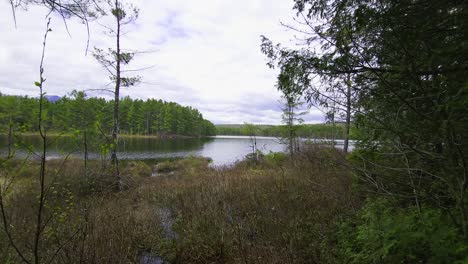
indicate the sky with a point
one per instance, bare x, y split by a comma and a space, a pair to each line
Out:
202, 55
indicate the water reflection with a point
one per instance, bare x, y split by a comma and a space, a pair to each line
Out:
228, 149
223, 150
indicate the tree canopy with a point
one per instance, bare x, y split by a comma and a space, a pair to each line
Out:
407, 63
149, 117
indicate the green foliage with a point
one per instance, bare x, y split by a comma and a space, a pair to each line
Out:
136, 169
194, 162
250, 129
291, 117
189, 164
405, 65
276, 158
305, 130
166, 166
384, 233
92, 115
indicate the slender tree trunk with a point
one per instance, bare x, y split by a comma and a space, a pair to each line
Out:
348, 114
3, 189
333, 131
10, 138
115, 129
37, 235
291, 127
85, 151
42, 172
147, 124
255, 149
39, 225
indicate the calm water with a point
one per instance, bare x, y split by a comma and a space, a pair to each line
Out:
224, 150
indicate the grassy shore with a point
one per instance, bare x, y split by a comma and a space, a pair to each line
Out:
183, 211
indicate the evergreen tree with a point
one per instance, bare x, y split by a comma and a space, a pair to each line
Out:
406, 64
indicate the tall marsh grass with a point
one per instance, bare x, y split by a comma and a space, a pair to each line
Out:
279, 211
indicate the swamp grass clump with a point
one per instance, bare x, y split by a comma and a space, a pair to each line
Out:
255, 214
87, 220
277, 211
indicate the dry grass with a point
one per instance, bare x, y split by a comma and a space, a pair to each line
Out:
276, 212
266, 214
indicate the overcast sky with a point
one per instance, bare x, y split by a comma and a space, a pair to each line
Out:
205, 54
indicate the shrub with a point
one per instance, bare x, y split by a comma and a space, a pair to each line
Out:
384, 233
276, 158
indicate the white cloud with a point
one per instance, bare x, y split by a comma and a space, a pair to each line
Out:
206, 54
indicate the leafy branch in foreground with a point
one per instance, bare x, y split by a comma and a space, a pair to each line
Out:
82, 9
40, 224
36, 235
85, 10
42, 173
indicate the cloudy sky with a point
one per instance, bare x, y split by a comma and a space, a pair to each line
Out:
205, 54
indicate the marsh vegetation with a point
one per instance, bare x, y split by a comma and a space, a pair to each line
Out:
389, 74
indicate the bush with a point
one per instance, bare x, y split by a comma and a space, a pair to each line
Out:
137, 169
193, 163
384, 233
276, 158
187, 164
166, 166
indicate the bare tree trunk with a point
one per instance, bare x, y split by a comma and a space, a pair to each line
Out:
10, 137
333, 130
85, 143
147, 124
255, 149
115, 129
291, 127
348, 113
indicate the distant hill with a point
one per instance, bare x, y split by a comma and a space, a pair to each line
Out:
52, 98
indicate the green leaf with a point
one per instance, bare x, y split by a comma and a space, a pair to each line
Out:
38, 84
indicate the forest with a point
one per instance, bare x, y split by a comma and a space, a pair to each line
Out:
389, 75
79, 112
321, 131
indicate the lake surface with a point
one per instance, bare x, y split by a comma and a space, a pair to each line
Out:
223, 150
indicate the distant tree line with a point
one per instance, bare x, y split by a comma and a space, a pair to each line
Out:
79, 112
329, 131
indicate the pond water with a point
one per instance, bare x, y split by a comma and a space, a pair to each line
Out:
223, 150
